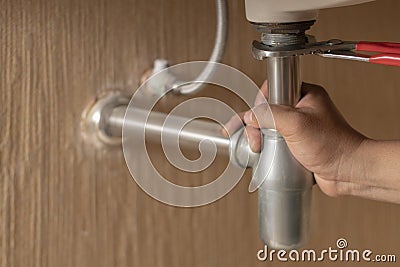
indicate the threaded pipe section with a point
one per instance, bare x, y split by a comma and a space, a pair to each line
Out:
283, 39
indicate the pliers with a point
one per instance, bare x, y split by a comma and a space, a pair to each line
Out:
385, 53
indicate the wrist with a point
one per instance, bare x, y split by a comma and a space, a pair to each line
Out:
353, 162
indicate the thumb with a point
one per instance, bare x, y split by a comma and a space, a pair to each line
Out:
282, 118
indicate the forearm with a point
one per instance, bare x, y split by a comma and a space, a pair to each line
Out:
375, 167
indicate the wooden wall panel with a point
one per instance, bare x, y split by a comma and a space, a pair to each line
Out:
65, 203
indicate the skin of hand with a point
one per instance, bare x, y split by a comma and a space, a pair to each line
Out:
324, 143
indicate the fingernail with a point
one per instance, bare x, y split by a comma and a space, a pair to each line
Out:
252, 145
248, 116
253, 118
224, 132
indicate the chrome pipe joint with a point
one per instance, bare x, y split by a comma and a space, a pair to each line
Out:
284, 198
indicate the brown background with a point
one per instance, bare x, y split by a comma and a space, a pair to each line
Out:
64, 203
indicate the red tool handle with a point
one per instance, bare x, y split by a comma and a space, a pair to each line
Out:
386, 59
379, 47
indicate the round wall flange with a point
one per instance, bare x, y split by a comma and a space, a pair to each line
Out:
95, 117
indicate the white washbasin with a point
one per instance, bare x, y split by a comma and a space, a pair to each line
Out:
279, 11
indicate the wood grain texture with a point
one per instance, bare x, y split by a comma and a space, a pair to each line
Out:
65, 203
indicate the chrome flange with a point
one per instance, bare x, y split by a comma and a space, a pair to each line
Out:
95, 118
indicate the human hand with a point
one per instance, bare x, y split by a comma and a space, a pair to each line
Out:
315, 132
